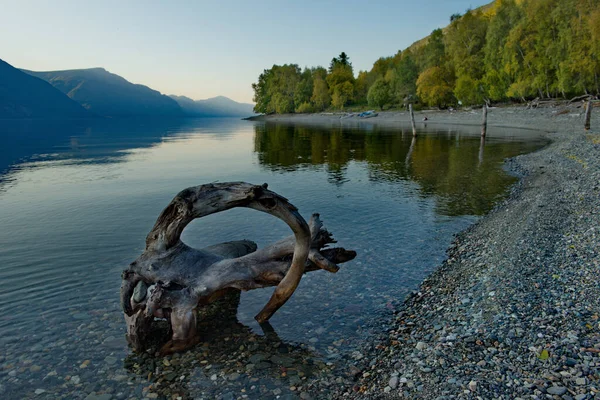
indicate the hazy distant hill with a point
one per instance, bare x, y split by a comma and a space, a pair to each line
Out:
110, 95
25, 96
219, 106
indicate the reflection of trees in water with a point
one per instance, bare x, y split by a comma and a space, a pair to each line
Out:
446, 164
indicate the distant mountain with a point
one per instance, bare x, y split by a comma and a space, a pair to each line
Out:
110, 95
25, 96
219, 106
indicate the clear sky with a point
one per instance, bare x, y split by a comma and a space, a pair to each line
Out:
202, 49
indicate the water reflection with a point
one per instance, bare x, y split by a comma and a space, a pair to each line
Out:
455, 171
84, 195
32, 143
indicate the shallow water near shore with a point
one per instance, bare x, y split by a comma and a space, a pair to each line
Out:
75, 208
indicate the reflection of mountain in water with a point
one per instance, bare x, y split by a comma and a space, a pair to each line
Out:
446, 163
94, 140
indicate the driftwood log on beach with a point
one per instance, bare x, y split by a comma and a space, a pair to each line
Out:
170, 279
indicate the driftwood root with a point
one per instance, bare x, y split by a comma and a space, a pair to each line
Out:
170, 280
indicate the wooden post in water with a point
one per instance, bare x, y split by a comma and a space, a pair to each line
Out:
412, 119
484, 121
588, 114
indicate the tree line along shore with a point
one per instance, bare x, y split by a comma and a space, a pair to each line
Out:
508, 50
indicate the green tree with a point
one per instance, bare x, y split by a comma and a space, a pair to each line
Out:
342, 95
361, 88
320, 95
341, 60
403, 82
339, 75
469, 91
283, 103
276, 89
579, 69
434, 87
341, 81
304, 88
262, 96
434, 52
464, 43
497, 78
379, 94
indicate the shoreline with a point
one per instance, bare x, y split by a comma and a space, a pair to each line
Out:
513, 310
502, 117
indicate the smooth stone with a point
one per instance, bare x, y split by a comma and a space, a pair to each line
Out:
114, 342
39, 391
110, 360
473, 386
263, 365
171, 376
256, 358
36, 347
120, 378
282, 360
75, 379
580, 381
421, 345
557, 390
571, 362
393, 383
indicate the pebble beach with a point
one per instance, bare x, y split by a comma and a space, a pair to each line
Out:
513, 312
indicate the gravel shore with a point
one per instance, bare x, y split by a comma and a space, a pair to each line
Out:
513, 313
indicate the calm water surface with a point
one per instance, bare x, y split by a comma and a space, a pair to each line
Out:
77, 200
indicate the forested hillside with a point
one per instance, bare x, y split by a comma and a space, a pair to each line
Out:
505, 51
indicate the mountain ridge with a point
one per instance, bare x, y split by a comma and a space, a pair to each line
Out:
218, 106
96, 91
26, 96
108, 94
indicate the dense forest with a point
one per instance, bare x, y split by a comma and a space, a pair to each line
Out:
509, 50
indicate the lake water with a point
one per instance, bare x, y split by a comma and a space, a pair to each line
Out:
77, 200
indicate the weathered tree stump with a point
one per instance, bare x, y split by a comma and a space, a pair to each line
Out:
588, 115
170, 279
